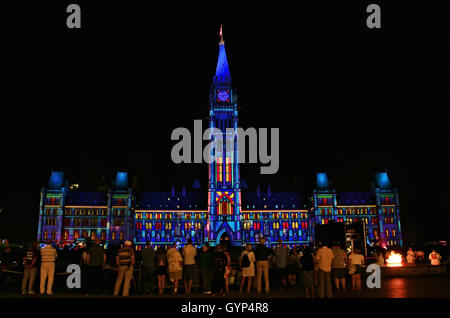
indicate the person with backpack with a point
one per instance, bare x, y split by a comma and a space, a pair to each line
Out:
219, 266
248, 267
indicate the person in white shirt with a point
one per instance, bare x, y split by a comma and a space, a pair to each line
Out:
410, 257
435, 258
248, 272
175, 262
189, 253
356, 260
325, 257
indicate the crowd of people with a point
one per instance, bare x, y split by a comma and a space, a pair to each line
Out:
258, 268
418, 257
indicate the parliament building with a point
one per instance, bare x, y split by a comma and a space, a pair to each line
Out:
220, 212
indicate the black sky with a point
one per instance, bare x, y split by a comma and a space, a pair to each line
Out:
348, 100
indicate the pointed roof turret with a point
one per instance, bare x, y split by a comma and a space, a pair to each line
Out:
222, 71
382, 180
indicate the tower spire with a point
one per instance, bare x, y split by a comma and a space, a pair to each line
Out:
222, 72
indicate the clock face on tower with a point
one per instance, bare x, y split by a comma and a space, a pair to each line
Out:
223, 96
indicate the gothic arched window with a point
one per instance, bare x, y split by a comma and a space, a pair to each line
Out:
225, 206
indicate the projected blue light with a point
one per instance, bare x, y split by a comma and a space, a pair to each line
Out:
322, 180
122, 179
222, 72
382, 180
56, 180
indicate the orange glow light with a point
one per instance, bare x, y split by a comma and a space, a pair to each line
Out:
394, 260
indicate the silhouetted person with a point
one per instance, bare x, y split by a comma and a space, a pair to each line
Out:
262, 253
30, 268
205, 263
148, 268
95, 260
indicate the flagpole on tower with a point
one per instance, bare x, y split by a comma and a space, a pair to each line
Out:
221, 35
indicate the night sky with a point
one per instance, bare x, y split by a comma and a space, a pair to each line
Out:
348, 100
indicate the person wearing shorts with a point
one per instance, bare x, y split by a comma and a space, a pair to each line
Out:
338, 266
189, 254
189, 272
161, 270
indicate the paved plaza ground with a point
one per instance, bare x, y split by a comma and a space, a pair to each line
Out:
437, 286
